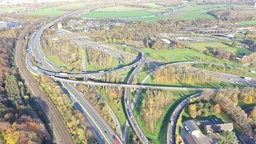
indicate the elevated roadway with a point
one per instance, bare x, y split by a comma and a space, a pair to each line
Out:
34, 48
128, 110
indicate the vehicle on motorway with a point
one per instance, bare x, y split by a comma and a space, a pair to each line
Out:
129, 112
126, 100
246, 78
63, 74
115, 140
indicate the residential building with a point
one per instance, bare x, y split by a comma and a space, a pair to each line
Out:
216, 128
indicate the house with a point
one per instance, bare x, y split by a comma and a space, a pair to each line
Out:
193, 135
216, 128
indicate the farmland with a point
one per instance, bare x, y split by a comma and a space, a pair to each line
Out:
56, 10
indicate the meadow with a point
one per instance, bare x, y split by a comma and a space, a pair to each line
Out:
131, 13
148, 14
56, 10
224, 45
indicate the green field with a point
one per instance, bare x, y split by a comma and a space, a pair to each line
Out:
224, 45
159, 136
248, 23
98, 68
192, 12
112, 14
197, 11
57, 10
126, 12
176, 55
119, 9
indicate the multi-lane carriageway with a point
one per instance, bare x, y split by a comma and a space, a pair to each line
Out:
107, 135
104, 133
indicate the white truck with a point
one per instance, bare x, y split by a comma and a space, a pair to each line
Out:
246, 78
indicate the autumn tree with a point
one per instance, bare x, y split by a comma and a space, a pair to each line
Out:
192, 110
157, 45
153, 105
12, 88
252, 115
217, 109
234, 111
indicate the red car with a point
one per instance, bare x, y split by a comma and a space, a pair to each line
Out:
116, 140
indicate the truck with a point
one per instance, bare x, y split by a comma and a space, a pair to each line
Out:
246, 78
62, 74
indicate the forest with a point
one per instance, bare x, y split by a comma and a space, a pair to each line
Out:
19, 123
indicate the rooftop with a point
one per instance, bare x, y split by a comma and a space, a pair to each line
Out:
219, 127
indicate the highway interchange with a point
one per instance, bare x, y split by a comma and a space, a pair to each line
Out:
104, 133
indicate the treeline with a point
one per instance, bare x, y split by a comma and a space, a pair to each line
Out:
114, 77
220, 54
228, 100
249, 59
153, 106
18, 121
98, 103
181, 74
74, 120
223, 69
63, 53
99, 60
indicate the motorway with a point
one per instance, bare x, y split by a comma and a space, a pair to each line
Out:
115, 120
99, 125
128, 110
97, 121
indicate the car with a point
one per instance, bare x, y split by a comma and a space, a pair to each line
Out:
186, 128
115, 140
